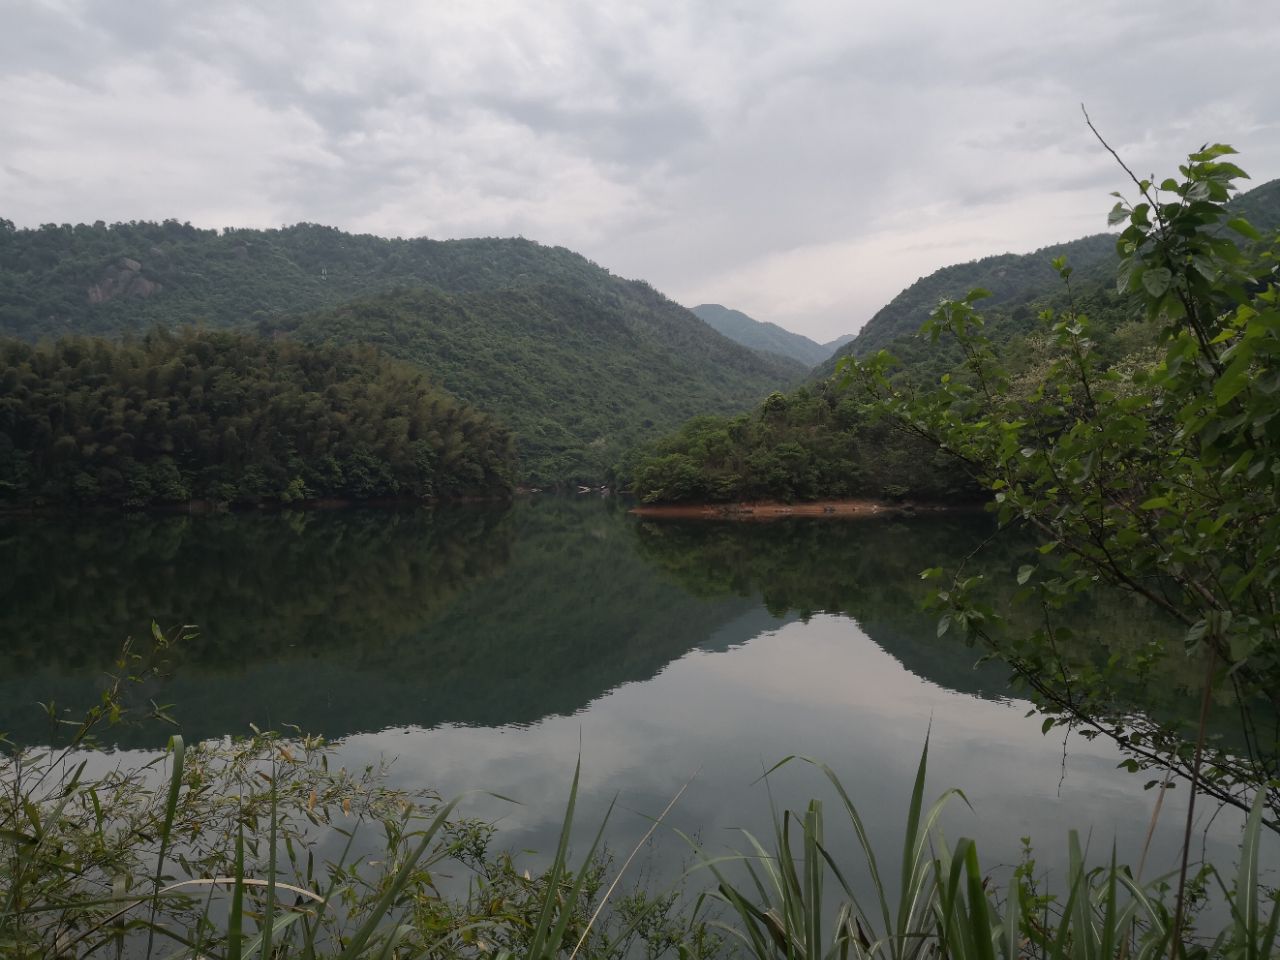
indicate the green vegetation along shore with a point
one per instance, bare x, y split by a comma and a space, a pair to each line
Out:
813, 444
231, 418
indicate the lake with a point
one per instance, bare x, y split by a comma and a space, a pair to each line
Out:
484, 648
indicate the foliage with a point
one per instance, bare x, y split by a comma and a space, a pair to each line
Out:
230, 418
257, 845
944, 904
580, 375
1160, 474
808, 445
578, 362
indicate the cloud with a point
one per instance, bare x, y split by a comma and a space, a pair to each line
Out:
799, 161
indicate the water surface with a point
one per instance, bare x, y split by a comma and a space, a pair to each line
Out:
486, 648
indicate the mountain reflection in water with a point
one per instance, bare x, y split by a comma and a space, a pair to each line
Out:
359, 620
484, 647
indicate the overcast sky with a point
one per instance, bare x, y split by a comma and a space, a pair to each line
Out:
800, 161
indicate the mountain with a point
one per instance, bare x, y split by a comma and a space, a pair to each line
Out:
579, 375
831, 346
579, 362
762, 336
1020, 285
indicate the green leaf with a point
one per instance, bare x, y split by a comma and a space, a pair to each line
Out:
1243, 227
1156, 503
1212, 153
1024, 573
1234, 379
1156, 280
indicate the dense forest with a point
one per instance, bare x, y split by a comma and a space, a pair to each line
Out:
121, 277
579, 376
581, 364
232, 418
809, 445
584, 368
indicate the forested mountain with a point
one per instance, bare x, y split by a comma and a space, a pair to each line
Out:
131, 276
814, 443
230, 418
1020, 286
579, 375
579, 362
761, 335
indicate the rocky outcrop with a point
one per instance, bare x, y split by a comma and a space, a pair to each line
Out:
122, 279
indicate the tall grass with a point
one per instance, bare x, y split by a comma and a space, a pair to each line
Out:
213, 854
945, 905
221, 857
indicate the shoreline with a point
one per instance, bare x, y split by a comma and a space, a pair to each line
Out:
776, 510
214, 507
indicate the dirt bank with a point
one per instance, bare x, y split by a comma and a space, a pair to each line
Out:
767, 510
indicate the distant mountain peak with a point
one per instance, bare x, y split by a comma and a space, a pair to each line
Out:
760, 335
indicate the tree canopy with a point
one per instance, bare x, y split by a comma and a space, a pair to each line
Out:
579, 363
1157, 471
809, 445
227, 417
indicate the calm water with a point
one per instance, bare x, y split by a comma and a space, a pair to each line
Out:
484, 648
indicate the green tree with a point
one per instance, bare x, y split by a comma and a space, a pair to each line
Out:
1157, 472
233, 417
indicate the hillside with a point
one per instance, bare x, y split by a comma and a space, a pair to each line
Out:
1020, 285
130, 276
761, 335
579, 362
580, 376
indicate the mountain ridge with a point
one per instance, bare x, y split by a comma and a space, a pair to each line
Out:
580, 362
760, 335
1019, 284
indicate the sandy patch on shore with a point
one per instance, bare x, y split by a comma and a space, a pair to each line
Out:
769, 510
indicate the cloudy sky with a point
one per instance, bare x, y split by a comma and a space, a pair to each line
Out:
802, 161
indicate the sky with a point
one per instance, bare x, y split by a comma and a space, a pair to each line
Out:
800, 161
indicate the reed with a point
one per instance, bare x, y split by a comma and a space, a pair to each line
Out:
946, 905
212, 852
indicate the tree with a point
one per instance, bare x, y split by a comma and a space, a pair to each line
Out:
1157, 472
